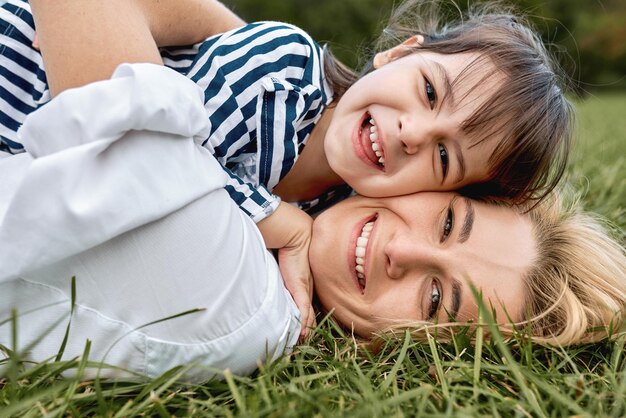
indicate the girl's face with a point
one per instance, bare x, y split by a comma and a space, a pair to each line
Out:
410, 258
392, 132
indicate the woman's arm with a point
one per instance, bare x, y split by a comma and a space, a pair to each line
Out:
85, 40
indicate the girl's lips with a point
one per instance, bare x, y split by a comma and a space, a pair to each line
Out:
362, 144
356, 233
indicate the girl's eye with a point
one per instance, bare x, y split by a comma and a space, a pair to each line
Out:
431, 95
447, 225
443, 156
435, 299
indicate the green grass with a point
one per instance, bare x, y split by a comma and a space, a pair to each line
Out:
333, 376
598, 163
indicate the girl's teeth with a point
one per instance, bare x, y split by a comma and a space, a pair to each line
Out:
381, 160
368, 226
376, 147
361, 241
360, 269
372, 122
360, 261
359, 252
360, 276
372, 128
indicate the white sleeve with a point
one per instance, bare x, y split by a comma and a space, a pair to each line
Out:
108, 157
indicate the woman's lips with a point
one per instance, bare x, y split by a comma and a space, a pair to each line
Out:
358, 251
365, 148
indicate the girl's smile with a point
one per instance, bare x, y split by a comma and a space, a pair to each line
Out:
368, 142
398, 130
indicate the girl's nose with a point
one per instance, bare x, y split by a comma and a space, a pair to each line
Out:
406, 254
414, 134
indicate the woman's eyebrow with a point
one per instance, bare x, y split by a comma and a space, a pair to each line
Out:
456, 298
442, 74
468, 222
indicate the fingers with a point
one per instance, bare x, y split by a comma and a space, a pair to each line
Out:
294, 267
35, 43
300, 287
289, 230
308, 317
308, 323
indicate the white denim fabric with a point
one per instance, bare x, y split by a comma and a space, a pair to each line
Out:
115, 192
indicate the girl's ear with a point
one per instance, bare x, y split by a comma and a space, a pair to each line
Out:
397, 51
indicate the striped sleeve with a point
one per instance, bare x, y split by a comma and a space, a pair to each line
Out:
23, 85
264, 90
255, 201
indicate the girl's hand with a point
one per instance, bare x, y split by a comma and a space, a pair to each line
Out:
288, 229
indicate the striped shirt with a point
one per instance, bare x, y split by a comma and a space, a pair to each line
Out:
264, 91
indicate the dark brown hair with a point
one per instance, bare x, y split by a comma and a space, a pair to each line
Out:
529, 109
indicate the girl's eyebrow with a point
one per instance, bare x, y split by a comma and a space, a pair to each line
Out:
461, 161
442, 74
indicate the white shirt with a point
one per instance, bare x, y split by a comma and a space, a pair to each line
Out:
116, 193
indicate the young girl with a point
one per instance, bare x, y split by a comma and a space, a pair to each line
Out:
472, 105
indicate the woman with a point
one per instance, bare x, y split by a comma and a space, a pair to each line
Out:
412, 267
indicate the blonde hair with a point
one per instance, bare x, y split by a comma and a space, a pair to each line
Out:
575, 290
529, 110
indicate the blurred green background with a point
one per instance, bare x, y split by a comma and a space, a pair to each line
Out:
588, 36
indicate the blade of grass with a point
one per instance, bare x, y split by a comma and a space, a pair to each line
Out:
398, 363
228, 375
438, 366
513, 367
478, 354
69, 322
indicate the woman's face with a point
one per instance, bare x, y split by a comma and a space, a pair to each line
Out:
378, 262
398, 112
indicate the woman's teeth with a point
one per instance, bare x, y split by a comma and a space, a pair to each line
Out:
361, 246
375, 147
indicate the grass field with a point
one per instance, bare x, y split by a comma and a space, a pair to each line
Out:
332, 376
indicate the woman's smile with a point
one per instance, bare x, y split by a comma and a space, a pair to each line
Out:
359, 250
414, 257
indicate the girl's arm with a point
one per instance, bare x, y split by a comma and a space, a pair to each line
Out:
85, 40
185, 22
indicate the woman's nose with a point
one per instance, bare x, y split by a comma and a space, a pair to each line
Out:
406, 254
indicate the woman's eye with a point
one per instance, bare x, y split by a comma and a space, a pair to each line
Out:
447, 225
443, 157
431, 95
435, 299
